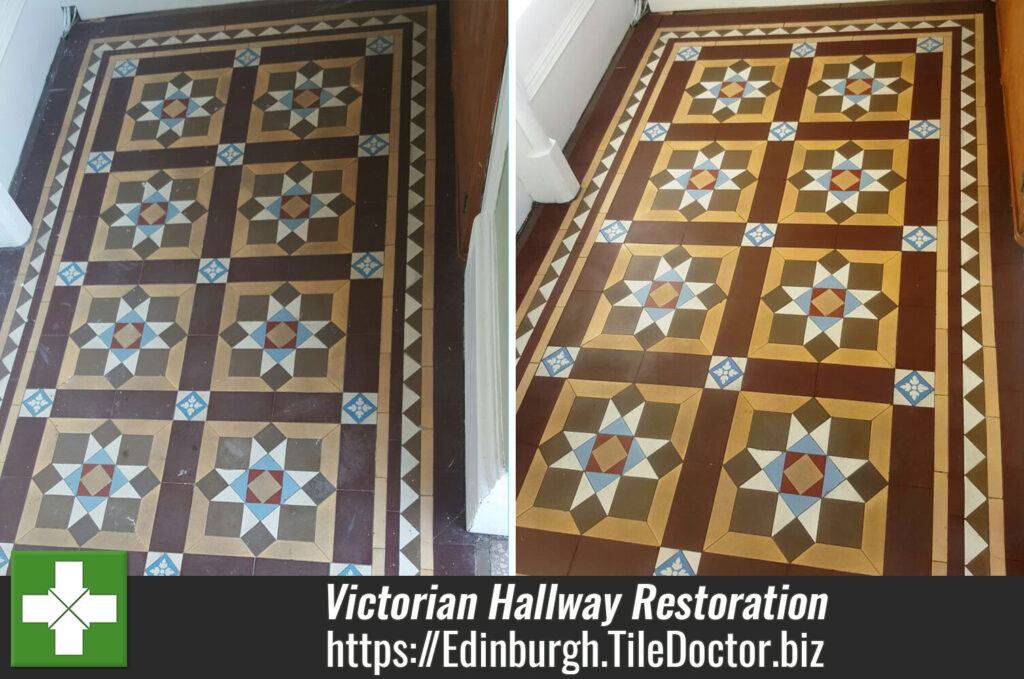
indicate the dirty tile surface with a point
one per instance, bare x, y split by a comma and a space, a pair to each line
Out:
219, 350
762, 340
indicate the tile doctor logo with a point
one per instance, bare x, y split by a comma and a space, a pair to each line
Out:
69, 609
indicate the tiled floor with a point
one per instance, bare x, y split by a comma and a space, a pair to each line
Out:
220, 357
763, 338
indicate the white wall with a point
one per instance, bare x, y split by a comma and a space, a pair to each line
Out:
563, 48
683, 5
92, 9
23, 69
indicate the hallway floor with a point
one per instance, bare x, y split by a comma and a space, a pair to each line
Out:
221, 345
764, 338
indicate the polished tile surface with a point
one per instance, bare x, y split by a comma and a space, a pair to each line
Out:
221, 354
738, 348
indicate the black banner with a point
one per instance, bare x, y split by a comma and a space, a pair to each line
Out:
566, 626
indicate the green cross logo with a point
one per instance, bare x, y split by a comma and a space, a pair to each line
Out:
69, 609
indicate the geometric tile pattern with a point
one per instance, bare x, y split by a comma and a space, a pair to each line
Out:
806, 485
829, 306
263, 491
846, 182
613, 468
311, 99
299, 208
196, 123
663, 298
737, 91
159, 215
854, 188
183, 106
133, 339
281, 336
95, 484
696, 180
863, 88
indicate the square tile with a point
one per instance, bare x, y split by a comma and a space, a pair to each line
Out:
95, 484
846, 182
127, 337
663, 298
557, 361
609, 461
307, 100
71, 274
153, 215
99, 162
829, 306
282, 337
726, 372
379, 45
358, 408
924, 129
655, 131
859, 88
702, 181
124, 68
677, 562
292, 208
371, 145
180, 109
346, 569
803, 50
919, 239
265, 490
162, 564
614, 231
367, 265
213, 270
732, 90
247, 57
192, 406
230, 154
804, 481
37, 402
914, 388
759, 235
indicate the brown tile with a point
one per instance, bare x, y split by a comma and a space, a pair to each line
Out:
908, 544
608, 557
911, 456
720, 564
781, 377
685, 370
543, 553
356, 468
83, 403
607, 364
171, 523
201, 564
21, 455
154, 405
353, 527
13, 490
575, 318
300, 407
290, 567
241, 406
917, 280
915, 338
855, 383
183, 452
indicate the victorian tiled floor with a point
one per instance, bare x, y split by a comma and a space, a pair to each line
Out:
763, 338
220, 350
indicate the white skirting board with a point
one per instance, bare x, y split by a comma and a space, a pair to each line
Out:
684, 5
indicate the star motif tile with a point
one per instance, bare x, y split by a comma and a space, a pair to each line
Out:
153, 215
728, 90
663, 298
282, 336
558, 361
834, 182
609, 462
804, 481
296, 208
303, 100
95, 484
162, 564
678, 562
128, 337
182, 109
829, 306
843, 88
265, 490
702, 181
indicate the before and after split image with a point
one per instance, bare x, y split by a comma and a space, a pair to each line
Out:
538, 288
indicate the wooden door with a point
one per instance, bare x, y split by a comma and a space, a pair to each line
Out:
479, 43
1011, 55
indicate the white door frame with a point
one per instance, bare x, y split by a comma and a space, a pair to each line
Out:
487, 487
